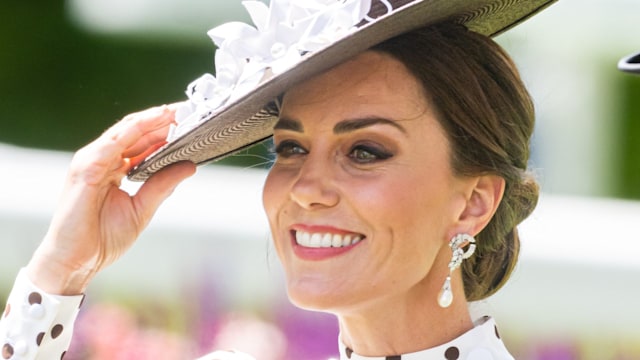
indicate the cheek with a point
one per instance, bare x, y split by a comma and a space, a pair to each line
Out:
412, 209
271, 196
394, 201
272, 203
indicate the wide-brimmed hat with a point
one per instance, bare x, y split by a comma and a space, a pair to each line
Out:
293, 40
630, 64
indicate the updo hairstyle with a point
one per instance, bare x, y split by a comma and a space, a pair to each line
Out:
488, 115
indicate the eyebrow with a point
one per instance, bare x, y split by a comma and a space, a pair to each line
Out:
360, 123
342, 127
288, 124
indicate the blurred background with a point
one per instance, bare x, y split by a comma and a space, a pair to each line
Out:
204, 275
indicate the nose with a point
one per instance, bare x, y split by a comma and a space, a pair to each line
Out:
314, 187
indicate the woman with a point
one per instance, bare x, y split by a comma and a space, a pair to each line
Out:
399, 179
350, 145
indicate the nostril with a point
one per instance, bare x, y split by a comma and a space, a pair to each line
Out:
311, 192
311, 197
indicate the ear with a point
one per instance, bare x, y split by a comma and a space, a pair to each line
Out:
483, 200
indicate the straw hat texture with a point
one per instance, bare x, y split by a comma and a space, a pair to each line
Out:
293, 40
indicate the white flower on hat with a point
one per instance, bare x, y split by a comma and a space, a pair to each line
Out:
284, 32
207, 93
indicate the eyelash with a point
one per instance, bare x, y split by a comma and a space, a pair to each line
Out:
285, 149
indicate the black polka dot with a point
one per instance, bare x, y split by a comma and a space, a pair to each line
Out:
497, 333
56, 331
35, 298
7, 310
396, 357
452, 353
81, 301
63, 354
348, 352
39, 338
7, 351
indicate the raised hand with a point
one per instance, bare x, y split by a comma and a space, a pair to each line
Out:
95, 221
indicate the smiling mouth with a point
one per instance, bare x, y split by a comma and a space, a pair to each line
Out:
326, 240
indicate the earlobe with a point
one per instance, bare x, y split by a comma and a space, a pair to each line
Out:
482, 203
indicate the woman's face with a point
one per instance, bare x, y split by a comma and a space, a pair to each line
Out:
362, 198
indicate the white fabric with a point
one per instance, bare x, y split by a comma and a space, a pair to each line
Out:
284, 31
480, 343
39, 326
36, 325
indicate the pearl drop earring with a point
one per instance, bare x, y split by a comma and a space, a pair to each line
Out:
445, 297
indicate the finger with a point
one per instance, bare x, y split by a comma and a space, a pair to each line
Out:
154, 139
103, 158
127, 133
137, 159
106, 155
159, 187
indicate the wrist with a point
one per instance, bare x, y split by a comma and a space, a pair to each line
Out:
55, 277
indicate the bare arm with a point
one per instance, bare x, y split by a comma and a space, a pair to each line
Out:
95, 221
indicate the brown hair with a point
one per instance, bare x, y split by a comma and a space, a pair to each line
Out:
488, 115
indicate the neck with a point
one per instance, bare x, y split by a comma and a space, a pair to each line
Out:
413, 323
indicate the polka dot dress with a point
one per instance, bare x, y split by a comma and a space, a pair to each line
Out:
480, 343
36, 325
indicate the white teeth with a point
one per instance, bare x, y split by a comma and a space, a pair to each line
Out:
318, 240
304, 238
326, 240
346, 241
336, 241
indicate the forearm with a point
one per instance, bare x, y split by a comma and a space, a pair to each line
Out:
94, 224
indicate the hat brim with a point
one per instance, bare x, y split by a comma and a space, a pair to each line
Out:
250, 119
630, 64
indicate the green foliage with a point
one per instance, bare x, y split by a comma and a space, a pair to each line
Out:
61, 87
629, 145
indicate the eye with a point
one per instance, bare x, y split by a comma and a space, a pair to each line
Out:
365, 154
289, 148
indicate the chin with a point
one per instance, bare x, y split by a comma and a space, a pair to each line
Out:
329, 299
316, 299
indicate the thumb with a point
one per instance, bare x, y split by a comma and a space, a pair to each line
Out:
159, 186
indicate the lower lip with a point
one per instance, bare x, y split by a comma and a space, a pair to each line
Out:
317, 254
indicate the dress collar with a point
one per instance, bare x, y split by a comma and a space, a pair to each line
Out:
480, 343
